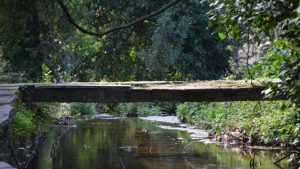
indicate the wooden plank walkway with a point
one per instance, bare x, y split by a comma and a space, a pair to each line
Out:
143, 91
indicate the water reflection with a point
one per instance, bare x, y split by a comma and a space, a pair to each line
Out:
130, 143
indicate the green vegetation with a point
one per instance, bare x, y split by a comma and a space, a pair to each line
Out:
44, 47
269, 123
30, 121
81, 108
274, 24
141, 109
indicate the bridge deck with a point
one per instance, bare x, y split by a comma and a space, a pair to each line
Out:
143, 91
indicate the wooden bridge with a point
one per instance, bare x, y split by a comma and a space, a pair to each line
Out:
142, 91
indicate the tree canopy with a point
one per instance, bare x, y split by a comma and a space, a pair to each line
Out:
69, 18
38, 40
275, 22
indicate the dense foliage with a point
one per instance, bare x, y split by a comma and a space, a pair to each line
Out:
276, 25
30, 121
81, 108
38, 42
256, 122
142, 109
275, 22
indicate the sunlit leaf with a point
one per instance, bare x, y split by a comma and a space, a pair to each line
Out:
222, 35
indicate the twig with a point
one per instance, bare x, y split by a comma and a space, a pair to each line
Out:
277, 165
188, 164
13, 152
252, 161
123, 166
282, 158
52, 152
248, 69
81, 29
248, 50
35, 149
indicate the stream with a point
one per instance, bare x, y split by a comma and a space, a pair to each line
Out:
106, 142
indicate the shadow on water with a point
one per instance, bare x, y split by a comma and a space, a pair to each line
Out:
132, 143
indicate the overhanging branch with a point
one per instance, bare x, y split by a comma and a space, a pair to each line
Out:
69, 18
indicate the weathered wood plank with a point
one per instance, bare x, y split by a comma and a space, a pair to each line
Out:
196, 95
9, 88
7, 99
103, 94
107, 92
7, 91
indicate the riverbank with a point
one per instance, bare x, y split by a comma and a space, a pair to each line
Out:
251, 123
230, 139
247, 123
205, 135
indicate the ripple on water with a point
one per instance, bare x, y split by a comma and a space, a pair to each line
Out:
195, 133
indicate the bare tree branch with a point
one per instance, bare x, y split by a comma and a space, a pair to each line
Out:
69, 18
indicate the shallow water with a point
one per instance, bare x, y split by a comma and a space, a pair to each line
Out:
131, 143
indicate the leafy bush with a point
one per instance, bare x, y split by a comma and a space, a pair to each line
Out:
167, 107
23, 122
127, 108
29, 121
142, 109
149, 110
83, 108
268, 122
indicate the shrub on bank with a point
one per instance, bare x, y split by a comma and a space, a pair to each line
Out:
28, 121
83, 108
264, 122
140, 109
